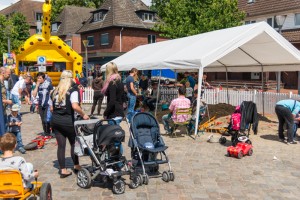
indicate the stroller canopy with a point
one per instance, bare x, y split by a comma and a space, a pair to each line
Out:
108, 134
143, 120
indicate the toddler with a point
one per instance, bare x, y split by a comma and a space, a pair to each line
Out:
9, 161
14, 126
188, 91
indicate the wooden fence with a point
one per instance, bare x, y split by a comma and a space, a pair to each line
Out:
216, 96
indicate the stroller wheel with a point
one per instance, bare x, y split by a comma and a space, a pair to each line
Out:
146, 179
165, 176
119, 187
135, 182
141, 179
84, 179
250, 152
222, 140
172, 176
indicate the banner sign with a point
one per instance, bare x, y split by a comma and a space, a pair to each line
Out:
9, 60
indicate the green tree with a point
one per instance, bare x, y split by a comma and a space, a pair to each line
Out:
16, 29
180, 18
58, 5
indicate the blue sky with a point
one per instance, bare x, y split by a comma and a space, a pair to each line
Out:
5, 3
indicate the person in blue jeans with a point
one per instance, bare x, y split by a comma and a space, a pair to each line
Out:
14, 124
131, 93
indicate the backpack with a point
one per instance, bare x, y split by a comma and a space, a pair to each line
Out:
236, 121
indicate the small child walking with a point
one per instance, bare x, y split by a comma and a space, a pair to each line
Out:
9, 161
14, 126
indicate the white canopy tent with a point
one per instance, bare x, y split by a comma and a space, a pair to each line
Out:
248, 48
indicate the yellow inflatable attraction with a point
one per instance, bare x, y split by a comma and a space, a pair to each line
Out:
48, 49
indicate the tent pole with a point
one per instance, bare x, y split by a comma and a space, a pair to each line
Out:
263, 93
200, 75
227, 93
227, 85
158, 91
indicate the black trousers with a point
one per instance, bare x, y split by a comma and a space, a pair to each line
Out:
285, 116
43, 115
98, 98
62, 133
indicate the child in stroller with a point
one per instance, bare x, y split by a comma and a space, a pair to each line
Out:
233, 129
103, 143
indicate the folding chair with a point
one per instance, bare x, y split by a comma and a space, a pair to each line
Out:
187, 112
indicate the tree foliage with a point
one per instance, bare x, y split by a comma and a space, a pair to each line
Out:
180, 18
16, 29
58, 5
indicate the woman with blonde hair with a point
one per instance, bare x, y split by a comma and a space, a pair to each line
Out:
65, 101
113, 88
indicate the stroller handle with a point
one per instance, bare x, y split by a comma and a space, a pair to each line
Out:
84, 122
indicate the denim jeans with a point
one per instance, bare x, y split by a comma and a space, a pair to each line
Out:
131, 105
15, 99
19, 139
166, 120
118, 120
295, 128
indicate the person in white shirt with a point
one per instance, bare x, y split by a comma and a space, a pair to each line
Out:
16, 92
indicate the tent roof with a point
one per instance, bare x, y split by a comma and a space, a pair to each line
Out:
241, 49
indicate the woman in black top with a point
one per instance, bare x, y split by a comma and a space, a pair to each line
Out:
65, 101
113, 88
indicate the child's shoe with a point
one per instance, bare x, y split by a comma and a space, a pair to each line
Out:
22, 150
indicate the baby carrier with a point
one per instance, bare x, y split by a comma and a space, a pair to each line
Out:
148, 148
103, 144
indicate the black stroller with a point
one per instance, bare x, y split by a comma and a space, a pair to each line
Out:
103, 143
148, 148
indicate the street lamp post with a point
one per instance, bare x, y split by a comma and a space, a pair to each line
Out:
280, 19
85, 43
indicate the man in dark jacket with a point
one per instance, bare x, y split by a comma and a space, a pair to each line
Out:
97, 86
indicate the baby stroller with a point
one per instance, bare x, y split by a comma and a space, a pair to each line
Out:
148, 148
234, 129
103, 143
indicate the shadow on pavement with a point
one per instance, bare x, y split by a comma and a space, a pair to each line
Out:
269, 137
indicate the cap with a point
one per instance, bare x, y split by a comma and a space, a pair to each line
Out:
15, 107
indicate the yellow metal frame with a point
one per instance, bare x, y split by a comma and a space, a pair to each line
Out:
182, 111
11, 185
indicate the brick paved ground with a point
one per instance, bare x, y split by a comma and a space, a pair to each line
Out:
202, 170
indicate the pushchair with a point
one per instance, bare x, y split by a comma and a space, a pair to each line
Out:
234, 131
103, 143
148, 148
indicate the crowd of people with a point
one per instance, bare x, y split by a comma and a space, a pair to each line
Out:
59, 107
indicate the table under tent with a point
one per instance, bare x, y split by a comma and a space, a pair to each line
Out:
248, 48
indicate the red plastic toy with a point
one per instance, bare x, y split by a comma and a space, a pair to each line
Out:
240, 150
37, 143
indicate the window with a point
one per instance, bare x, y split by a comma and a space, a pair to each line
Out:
104, 40
148, 17
151, 39
251, 1
297, 19
270, 21
38, 16
275, 23
38, 27
69, 42
250, 22
91, 41
54, 27
99, 16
